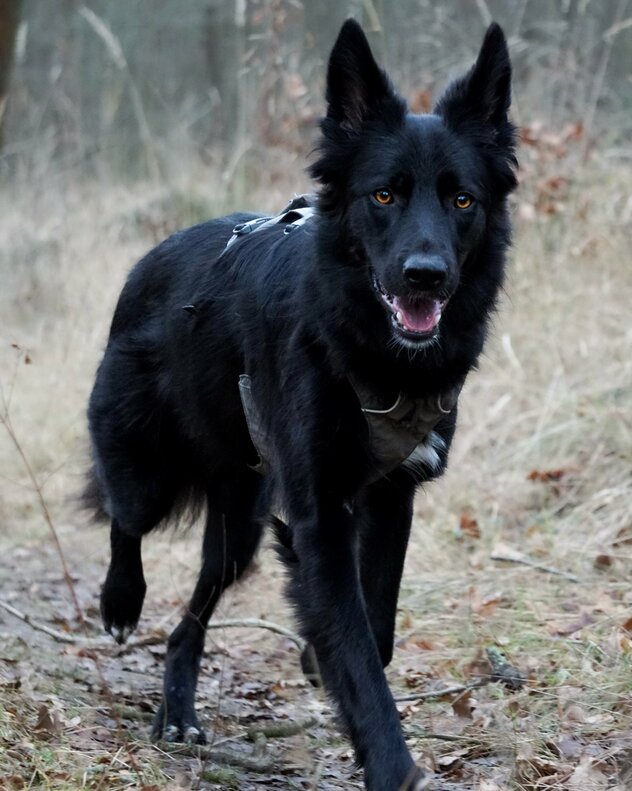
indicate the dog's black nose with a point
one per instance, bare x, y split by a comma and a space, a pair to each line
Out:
425, 272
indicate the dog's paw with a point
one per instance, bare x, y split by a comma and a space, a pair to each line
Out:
175, 731
119, 632
121, 605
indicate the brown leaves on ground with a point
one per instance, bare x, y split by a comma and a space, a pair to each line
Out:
468, 526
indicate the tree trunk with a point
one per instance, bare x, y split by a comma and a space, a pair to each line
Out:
9, 20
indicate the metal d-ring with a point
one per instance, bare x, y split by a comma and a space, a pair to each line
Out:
384, 411
440, 406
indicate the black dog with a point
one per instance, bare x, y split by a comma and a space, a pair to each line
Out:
329, 358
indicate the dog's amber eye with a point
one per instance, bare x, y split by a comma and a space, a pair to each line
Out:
463, 200
383, 196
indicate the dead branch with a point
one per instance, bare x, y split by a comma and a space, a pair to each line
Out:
150, 639
223, 757
60, 637
515, 557
279, 730
258, 623
6, 422
441, 693
445, 737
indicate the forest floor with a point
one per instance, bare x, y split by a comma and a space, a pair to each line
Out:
524, 547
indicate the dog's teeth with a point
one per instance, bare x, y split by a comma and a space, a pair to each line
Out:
399, 317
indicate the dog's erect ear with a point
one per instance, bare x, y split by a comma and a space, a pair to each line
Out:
355, 83
485, 91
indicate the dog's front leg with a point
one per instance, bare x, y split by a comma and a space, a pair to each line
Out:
385, 516
327, 592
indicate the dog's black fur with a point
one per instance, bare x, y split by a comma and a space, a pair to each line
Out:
391, 285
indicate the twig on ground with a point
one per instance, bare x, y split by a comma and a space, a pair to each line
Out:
223, 757
508, 675
444, 737
60, 637
440, 693
258, 623
515, 557
132, 713
6, 422
149, 639
279, 730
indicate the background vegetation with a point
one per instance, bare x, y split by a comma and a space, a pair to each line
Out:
124, 121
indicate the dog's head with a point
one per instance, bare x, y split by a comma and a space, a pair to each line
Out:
414, 195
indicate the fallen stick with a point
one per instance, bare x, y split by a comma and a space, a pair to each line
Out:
279, 730
510, 556
60, 637
223, 757
440, 693
258, 623
445, 737
508, 675
150, 639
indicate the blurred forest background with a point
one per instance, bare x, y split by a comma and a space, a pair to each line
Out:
123, 121
132, 86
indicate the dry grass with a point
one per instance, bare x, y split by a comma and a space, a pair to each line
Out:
552, 394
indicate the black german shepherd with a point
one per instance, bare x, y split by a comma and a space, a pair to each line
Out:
313, 375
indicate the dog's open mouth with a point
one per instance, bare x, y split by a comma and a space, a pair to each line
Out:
416, 317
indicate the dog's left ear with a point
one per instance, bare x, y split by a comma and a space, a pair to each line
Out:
485, 91
356, 85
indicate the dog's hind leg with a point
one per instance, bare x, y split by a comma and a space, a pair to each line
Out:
385, 516
233, 531
140, 497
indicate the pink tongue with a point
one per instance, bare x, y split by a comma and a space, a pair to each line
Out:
418, 316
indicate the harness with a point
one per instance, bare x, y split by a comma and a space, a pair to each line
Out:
298, 211
395, 432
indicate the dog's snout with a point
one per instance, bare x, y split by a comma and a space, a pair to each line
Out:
425, 272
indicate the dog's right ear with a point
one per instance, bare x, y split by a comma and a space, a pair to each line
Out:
355, 83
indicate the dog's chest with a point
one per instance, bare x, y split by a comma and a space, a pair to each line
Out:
402, 434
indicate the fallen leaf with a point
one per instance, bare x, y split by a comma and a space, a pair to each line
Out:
451, 763
587, 777
484, 605
531, 767
469, 526
464, 704
624, 537
565, 629
12, 782
547, 475
48, 724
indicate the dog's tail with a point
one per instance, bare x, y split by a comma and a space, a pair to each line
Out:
92, 498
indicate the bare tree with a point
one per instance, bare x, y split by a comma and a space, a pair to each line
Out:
9, 20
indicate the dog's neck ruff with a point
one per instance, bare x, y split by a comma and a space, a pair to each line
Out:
298, 211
